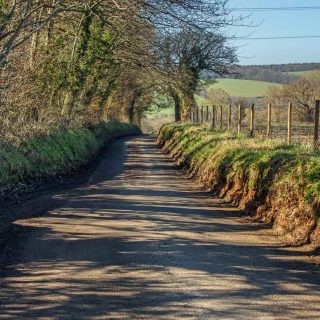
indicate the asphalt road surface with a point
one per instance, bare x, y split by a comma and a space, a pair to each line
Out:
141, 241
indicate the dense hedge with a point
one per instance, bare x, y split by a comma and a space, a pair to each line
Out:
276, 183
57, 154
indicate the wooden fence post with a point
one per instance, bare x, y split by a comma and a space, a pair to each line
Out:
213, 120
316, 125
269, 121
239, 118
289, 123
221, 117
229, 117
252, 121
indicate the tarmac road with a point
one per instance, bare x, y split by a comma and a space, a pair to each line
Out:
141, 241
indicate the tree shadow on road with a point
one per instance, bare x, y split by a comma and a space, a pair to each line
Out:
151, 248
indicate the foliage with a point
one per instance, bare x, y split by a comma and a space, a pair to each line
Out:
69, 64
215, 96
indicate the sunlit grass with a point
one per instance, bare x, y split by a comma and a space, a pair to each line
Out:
56, 154
257, 162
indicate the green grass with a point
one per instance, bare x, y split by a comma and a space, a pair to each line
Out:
243, 88
233, 87
55, 155
282, 179
162, 113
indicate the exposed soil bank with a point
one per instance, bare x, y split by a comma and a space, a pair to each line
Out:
274, 183
46, 161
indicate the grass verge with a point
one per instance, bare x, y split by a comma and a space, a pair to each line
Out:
275, 183
56, 155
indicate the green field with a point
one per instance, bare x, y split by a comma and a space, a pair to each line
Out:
234, 88
243, 88
162, 113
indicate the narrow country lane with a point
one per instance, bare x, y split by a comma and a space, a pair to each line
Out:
141, 241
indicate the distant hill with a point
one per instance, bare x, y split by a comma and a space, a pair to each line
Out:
278, 73
291, 67
264, 74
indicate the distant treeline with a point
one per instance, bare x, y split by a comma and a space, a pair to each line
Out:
264, 74
274, 73
291, 67
279, 73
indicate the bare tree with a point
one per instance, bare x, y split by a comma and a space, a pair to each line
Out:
302, 93
186, 54
69, 63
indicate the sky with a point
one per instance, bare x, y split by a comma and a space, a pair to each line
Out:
278, 23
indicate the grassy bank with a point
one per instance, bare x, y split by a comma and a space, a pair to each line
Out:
55, 155
276, 184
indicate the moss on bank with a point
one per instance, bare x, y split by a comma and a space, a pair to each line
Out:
55, 155
276, 183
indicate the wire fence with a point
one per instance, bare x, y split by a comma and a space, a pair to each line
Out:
261, 121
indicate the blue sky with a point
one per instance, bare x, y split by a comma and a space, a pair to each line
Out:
279, 23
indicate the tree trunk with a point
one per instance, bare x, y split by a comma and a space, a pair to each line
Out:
177, 105
131, 110
131, 107
177, 108
81, 76
35, 39
50, 26
189, 103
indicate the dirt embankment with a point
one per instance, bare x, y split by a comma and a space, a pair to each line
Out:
273, 183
